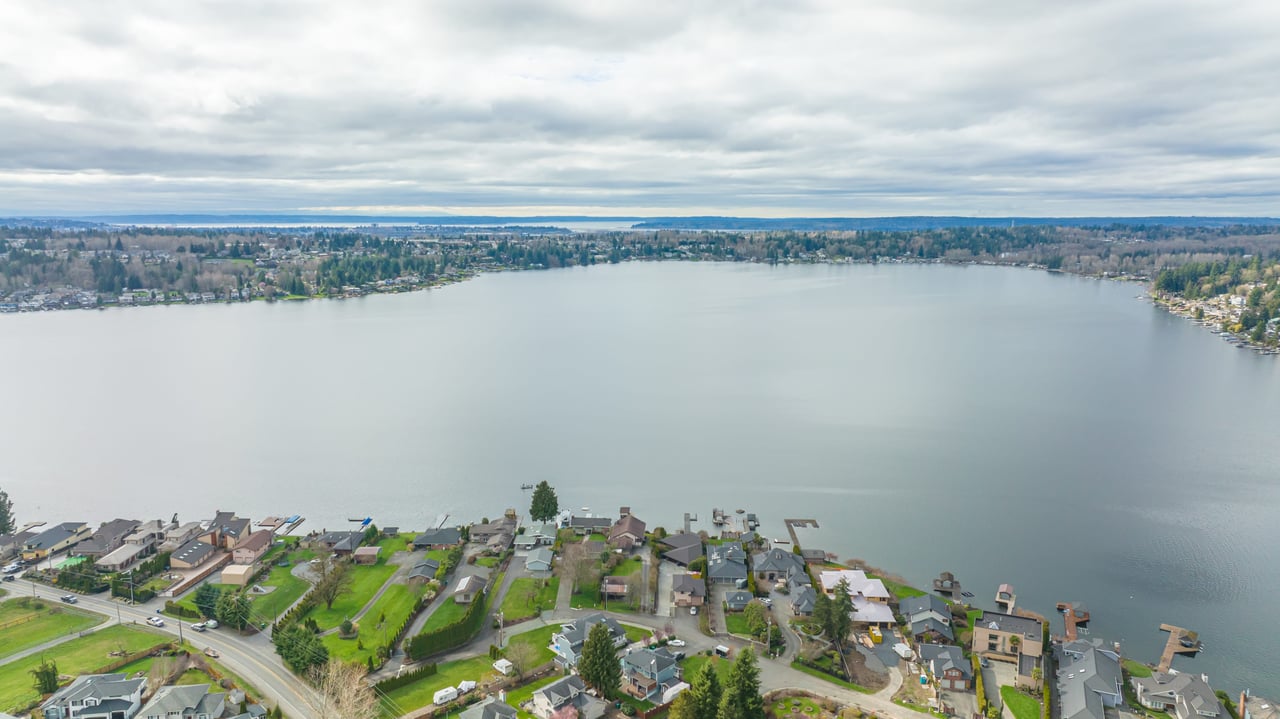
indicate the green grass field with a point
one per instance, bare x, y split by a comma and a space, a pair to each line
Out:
518, 696
627, 568
1022, 705
396, 603
447, 612
692, 667
288, 589
540, 639
736, 623
39, 621
527, 595
587, 597
420, 693
899, 590
365, 582
84, 655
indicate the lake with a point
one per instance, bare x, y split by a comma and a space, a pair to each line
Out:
1007, 425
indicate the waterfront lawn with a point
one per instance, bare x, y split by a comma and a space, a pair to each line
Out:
539, 639
1137, 669
288, 588
899, 590
83, 655
527, 595
41, 621
1022, 705
366, 580
421, 693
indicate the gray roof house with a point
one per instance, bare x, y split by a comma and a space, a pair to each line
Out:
1187, 696
342, 543
96, 696
489, 709
108, 537
539, 560
55, 539
648, 673
929, 616
567, 643
736, 601
192, 554
688, 590
775, 564
803, 600
185, 702
424, 570
10, 544
947, 665
588, 525
1089, 680
443, 537
570, 691
727, 564
535, 535
683, 547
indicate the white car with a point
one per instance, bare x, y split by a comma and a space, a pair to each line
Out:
676, 643
199, 627
693, 610
767, 602
155, 621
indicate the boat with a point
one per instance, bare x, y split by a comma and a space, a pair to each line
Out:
966, 594
526, 486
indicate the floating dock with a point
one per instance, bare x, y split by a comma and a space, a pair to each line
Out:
1176, 645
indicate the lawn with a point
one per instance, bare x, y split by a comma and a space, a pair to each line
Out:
636, 634
1137, 669
527, 595
445, 614
40, 622
489, 562
1022, 706
516, 697
540, 639
420, 693
736, 623
627, 568
797, 705
365, 582
899, 590
692, 667
587, 597
288, 589
84, 655
597, 537
194, 676
396, 603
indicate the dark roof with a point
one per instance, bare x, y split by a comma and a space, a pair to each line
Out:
803, 600
681, 539
687, 584
590, 522
256, 541
916, 605
627, 525
229, 524
941, 657
427, 569
55, 535
684, 555
777, 560
341, 541
927, 624
575, 632
444, 535
492, 709
737, 598
648, 661
563, 691
193, 552
1026, 626
1085, 673
724, 563
108, 536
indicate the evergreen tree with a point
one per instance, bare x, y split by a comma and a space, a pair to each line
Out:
206, 600
545, 504
598, 664
8, 523
46, 676
742, 698
841, 619
704, 693
300, 648
233, 609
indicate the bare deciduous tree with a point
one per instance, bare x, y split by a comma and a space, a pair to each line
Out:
343, 692
522, 658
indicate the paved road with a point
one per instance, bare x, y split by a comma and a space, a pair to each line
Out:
253, 657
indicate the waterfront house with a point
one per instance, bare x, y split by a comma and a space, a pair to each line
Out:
539, 560
424, 571
1255, 707
192, 554
737, 600
109, 537
727, 564
947, 666
688, 590
583, 526
252, 548
682, 548
54, 540
928, 618
567, 643
1184, 695
627, 532
1089, 680
366, 555
226, 530
490, 708
96, 696
776, 564
12, 544
552, 699
341, 544
648, 673
1011, 638
536, 535
193, 701
177, 535
869, 596
443, 538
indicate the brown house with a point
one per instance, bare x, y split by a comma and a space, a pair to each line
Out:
251, 548
1011, 638
365, 555
627, 532
688, 590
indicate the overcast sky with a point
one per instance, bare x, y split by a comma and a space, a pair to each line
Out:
780, 108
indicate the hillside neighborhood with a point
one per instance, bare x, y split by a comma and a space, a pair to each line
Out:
510, 616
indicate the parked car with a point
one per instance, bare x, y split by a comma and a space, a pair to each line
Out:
676, 643
767, 602
8, 577
155, 621
211, 624
693, 610
68, 598
198, 626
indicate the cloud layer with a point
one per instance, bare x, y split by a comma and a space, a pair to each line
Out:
854, 108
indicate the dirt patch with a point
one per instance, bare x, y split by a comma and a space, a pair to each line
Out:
862, 675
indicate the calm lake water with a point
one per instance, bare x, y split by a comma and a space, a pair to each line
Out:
1054, 432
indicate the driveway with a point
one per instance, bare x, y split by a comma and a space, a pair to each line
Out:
963, 704
996, 675
666, 574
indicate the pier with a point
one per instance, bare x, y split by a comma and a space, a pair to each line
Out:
1176, 645
1075, 616
794, 524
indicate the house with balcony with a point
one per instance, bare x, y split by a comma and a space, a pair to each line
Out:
567, 697
251, 548
567, 643
928, 618
727, 564
688, 590
1013, 639
648, 673
108, 538
226, 530
775, 564
1089, 680
193, 701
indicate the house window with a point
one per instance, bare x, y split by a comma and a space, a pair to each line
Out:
993, 644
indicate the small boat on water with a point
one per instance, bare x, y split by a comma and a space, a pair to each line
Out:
526, 486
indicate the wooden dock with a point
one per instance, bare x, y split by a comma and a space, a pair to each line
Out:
1174, 646
1075, 617
794, 524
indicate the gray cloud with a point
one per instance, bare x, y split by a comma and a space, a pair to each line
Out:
915, 106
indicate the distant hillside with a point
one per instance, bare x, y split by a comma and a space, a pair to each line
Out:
899, 224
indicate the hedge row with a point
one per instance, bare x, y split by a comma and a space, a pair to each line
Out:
391, 683
978, 687
395, 638
449, 636
174, 608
